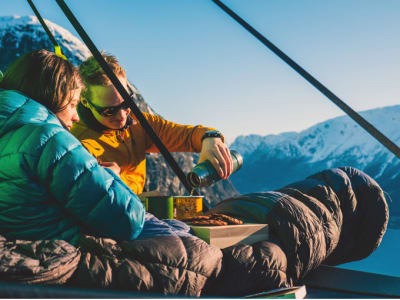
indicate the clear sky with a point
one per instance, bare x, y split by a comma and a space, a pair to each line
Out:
195, 65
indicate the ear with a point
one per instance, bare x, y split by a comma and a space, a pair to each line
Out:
84, 96
84, 102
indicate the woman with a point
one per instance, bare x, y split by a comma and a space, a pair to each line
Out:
50, 186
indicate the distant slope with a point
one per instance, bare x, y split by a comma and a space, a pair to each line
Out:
273, 161
19, 35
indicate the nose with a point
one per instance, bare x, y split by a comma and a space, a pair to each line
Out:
123, 113
75, 117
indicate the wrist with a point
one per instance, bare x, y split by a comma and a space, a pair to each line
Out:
212, 134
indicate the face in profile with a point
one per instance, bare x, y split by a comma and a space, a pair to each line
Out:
69, 114
107, 106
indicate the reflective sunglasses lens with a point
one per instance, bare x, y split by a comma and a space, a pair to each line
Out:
108, 112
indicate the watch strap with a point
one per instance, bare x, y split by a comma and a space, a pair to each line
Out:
212, 134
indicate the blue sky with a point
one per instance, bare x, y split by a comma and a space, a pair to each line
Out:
195, 65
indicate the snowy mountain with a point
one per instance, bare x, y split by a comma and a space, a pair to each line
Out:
273, 161
19, 35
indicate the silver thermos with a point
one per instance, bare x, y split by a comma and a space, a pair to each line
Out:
204, 173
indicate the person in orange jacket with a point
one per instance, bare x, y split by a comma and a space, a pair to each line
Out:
111, 133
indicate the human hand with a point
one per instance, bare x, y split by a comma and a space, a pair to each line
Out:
112, 165
217, 153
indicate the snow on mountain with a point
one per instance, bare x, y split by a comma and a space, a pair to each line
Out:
18, 34
331, 138
247, 144
272, 161
334, 137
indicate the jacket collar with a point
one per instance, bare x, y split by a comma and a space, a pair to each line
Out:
17, 110
85, 114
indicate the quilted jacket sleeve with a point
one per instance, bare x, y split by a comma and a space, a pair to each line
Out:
94, 196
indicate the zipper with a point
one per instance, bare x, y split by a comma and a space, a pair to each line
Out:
122, 140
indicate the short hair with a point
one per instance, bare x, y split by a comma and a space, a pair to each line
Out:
44, 77
93, 74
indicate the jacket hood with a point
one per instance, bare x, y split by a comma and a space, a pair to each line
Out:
17, 110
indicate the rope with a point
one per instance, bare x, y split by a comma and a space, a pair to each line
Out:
124, 94
57, 49
324, 90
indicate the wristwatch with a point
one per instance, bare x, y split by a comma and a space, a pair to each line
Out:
212, 134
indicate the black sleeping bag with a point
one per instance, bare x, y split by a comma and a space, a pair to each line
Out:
332, 217
335, 216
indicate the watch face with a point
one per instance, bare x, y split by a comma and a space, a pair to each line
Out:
211, 133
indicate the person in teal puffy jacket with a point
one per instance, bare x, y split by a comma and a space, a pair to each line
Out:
50, 186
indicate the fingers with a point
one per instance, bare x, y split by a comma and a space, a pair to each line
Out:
226, 155
108, 164
218, 154
112, 165
217, 165
225, 161
214, 150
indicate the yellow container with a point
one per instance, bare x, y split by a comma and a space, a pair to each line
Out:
187, 206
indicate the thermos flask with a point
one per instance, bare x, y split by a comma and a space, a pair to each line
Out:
204, 173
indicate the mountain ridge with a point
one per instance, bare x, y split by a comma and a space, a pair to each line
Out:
343, 131
273, 161
19, 35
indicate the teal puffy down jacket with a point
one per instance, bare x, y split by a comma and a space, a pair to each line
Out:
51, 187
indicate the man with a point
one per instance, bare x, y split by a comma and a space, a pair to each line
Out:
114, 136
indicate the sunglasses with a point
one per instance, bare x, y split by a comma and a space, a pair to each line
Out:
109, 111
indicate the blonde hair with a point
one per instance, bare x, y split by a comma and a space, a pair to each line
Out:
44, 77
92, 73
